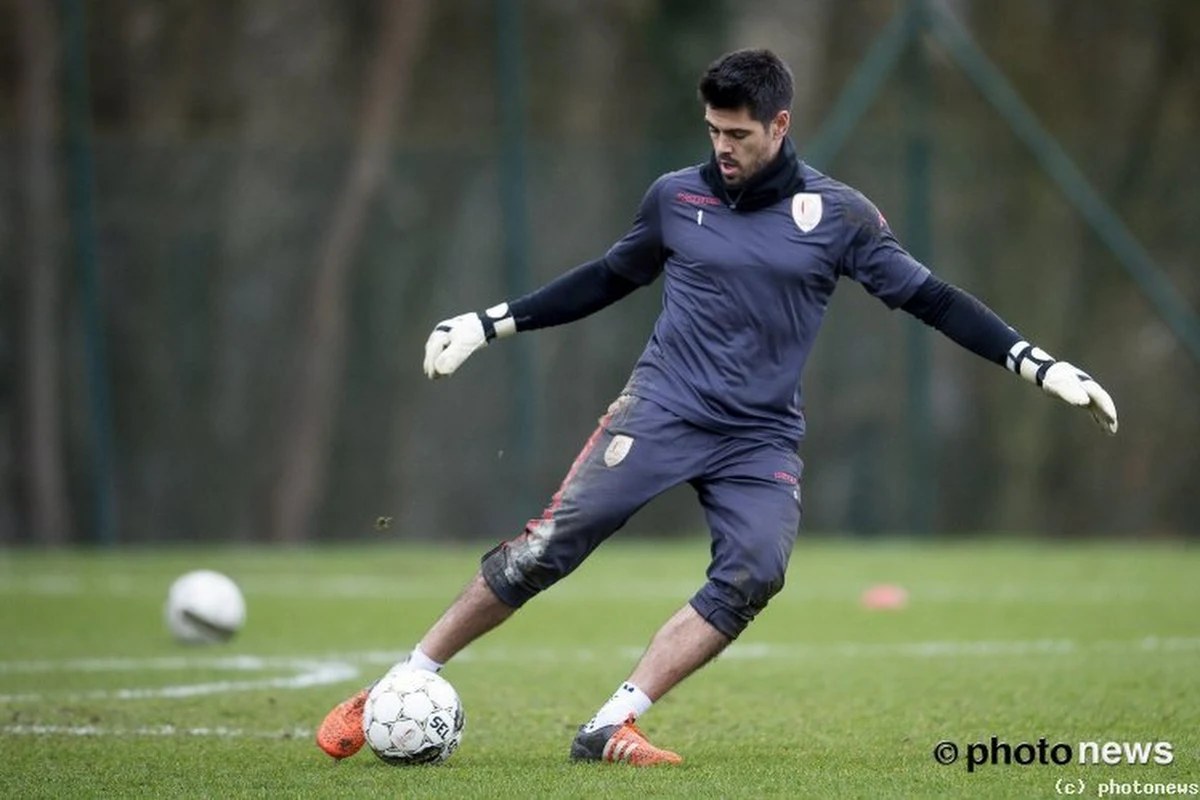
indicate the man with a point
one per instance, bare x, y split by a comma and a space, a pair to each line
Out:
752, 245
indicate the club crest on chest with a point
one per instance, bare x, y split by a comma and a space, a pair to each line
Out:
806, 210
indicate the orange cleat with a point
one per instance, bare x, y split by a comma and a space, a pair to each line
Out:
341, 732
620, 744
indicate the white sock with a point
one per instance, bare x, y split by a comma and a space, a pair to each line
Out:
418, 660
626, 700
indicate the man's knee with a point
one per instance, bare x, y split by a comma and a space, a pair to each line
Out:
730, 601
515, 570
491, 567
548, 550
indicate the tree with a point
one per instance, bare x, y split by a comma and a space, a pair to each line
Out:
305, 445
40, 413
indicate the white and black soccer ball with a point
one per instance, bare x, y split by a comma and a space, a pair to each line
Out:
204, 607
413, 717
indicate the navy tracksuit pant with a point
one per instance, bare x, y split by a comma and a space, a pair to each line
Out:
749, 489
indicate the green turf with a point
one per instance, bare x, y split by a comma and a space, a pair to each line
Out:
820, 698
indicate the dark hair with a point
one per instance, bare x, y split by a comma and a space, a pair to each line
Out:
756, 80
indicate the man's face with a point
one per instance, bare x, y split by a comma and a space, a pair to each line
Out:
742, 144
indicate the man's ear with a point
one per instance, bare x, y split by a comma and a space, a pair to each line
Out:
781, 123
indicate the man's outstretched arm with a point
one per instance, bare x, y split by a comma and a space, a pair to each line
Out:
573, 295
635, 260
973, 325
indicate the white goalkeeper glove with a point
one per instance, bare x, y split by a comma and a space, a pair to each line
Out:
454, 340
1064, 381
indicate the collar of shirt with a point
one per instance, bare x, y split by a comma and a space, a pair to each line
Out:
779, 179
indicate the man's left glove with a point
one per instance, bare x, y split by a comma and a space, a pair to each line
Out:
1064, 381
454, 340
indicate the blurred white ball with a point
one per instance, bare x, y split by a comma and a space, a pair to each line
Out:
204, 607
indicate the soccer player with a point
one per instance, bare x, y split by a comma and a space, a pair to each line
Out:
750, 246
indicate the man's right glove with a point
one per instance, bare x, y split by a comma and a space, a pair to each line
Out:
1064, 381
454, 340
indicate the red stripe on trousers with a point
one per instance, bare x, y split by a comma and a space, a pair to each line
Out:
556, 500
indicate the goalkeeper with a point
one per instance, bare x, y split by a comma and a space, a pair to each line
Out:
750, 245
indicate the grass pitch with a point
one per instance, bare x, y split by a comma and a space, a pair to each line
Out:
820, 698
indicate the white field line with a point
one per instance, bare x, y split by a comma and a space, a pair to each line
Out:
750, 651
219, 732
351, 586
243, 663
310, 671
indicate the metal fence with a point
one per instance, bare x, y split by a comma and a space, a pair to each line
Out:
206, 251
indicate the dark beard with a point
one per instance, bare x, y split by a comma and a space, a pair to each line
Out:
775, 180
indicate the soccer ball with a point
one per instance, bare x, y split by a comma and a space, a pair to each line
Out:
204, 607
413, 717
